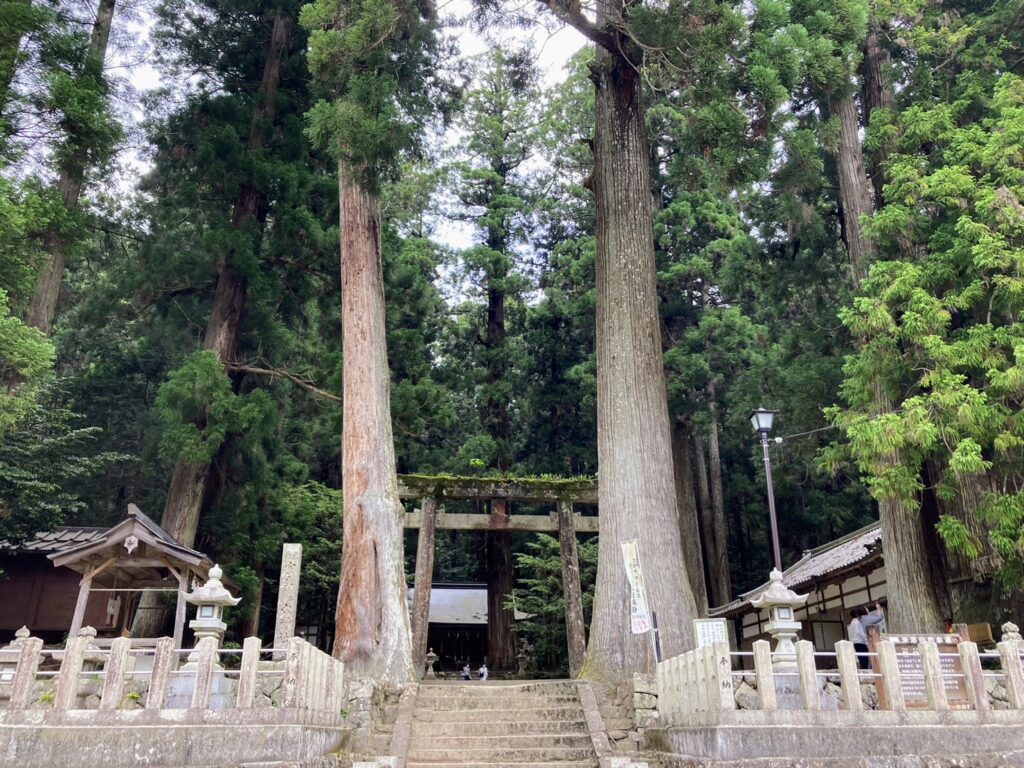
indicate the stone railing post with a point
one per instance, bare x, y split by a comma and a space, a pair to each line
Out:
765, 675
1009, 655
25, 676
934, 685
70, 671
891, 676
808, 675
247, 673
164, 661
206, 667
294, 674
723, 697
974, 680
113, 682
849, 676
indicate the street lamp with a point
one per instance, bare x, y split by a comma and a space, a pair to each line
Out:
762, 420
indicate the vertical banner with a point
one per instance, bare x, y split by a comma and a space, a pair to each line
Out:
639, 610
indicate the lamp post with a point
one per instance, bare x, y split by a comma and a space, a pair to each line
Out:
762, 420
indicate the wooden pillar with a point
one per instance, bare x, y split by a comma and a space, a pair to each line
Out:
83, 599
422, 584
575, 631
179, 611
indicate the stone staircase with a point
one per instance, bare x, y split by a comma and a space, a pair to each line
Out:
500, 725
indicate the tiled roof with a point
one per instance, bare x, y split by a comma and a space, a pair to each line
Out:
817, 564
60, 539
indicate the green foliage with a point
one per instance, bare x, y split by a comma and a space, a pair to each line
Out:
198, 409
540, 596
44, 460
374, 61
942, 332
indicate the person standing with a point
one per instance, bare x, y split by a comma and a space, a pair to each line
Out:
859, 637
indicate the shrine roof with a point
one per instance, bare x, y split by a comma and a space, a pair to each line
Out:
821, 565
121, 541
60, 539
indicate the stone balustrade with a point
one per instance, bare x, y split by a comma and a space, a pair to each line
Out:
116, 679
701, 687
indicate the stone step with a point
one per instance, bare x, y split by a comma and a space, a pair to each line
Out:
497, 728
542, 764
509, 715
503, 742
494, 702
479, 757
484, 688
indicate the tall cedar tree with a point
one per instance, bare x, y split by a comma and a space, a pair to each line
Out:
89, 137
636, 488
374, 61
189, 480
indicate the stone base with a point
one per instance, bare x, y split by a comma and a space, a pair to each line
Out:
180, 688
948, 744
167, 738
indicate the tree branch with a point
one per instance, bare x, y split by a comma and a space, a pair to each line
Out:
569, 12
294, 378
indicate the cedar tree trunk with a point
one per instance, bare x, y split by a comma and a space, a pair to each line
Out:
915, 600
854, 189
372, 634
42, 307
718, 568
686, 501
636, 487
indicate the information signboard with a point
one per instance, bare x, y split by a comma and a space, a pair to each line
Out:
710, 631
911, 668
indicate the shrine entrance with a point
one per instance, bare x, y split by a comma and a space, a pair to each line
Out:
501, 496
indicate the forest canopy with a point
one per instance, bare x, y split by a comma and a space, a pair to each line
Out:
836, 193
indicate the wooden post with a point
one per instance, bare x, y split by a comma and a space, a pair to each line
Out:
849, 676
83, 599
247, 674
422, 585
575, 630
974, 680
70, 671
164, 660
25, 676
808, 675
934, 685
179, 611
765, 676
1009, 655
113, 682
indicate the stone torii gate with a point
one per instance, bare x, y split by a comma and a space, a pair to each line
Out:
432, 490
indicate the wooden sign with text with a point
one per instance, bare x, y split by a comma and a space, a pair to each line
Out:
911, 668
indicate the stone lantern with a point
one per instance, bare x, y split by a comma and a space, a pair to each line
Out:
781, 603
431, 659
210, 600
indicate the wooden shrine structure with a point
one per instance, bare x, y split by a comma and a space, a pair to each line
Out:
134, 556
432, 491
